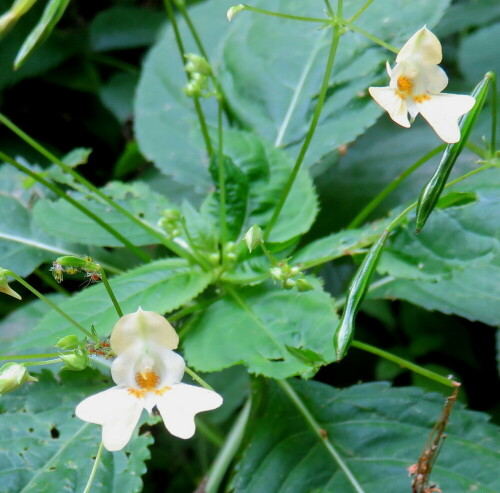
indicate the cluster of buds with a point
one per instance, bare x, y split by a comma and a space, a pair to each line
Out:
199, 72
170, 222
72, 265
288, 277
12, 376
78, 358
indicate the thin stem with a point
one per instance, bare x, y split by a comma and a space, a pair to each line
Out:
305, 146
329, 9
29, 356
376, 40
112, 296
228, 451
404, 363
97, 460
493, 87
182, 52
67, 169
52, 305
198, 379
285, 16
41, 363
361, 216
49, 280
222, 179
360, 11
51, 186
340, 6
319, 432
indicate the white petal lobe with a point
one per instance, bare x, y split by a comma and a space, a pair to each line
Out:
392, 103
179, 405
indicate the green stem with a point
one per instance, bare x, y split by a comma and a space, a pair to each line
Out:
376, 40
285, 16
339, 303
76, 204
340, 6
404, 363
361, 216
41, 363
222, 179
112, 296
182, 52
97, 460
268, 255
305, 146
52, 305
229, 449
493, 87
67, 169
360, 11
216, 437
29, 356
49, 280
478, 151
319, 432
329, 9
198, 379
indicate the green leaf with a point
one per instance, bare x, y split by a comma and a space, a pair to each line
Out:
50, 17
255, 331
160, 286
62, 220
117, 94
378, 432
120, 28
44, 447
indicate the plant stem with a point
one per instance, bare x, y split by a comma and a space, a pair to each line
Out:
49, 280
215, 436
361, 216
76, 204
198, 379
29, 356
67, 169
404, 363
493, 87
360, 11
41, 363
228, 451
286, 16
319, 432
52, 305
317, 112
376, 40
182, 52
222, 178
112, 296
374, 285
97, 460
340, 6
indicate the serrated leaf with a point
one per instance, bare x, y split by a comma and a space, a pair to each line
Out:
256, 331
378, 432
62, 220
44, 447
160, 286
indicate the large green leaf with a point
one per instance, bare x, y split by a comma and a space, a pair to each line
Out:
62, 220
378, 432
44, 447
160, 286
256, 328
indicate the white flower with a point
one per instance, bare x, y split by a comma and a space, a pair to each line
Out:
147, 374
416, 85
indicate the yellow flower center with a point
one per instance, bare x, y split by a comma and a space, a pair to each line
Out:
421, 98
147, 382
405, 86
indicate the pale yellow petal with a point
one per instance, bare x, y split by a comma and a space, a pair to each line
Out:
392, 103
442, 111
179, 405
424, 46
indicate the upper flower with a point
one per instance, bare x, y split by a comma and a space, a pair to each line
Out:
147, 373
416, 85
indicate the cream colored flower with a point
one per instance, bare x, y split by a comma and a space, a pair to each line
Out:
147, 373
415, 87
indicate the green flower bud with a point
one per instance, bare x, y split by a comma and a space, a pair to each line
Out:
4, 285
68, 342
76, 361
233, 11
253, 237
12, 376
276, 273
303, 285
289, 284
197, 65
214, 258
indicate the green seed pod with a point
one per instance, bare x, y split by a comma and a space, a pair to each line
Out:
12, 376
68, 342
76, 361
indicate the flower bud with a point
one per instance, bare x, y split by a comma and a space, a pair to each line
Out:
68, 342
12, 376
303, 285
4, 285
276, 273
76, 361
197, 64
253, 237
233, 11
289, 284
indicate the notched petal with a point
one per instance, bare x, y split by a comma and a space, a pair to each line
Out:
392, 103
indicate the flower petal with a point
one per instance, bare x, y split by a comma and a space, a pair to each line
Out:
126, 365
149, 327
435, 79
179, 405
442, 111
169, 366
117, 411
392, 103
423, 46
